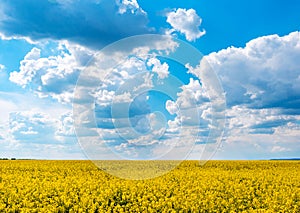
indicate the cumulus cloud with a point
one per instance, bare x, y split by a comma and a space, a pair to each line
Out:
121, 109
186, 22
122, 84
30, 125
122, 112
261, 81
37, 134
34, 54
27, 70
242, 120
261, 84
263, 74
92, 23
193, 115
65, 126
171, 107
53, 76
241, 142
131, 6
192, 97
162, 70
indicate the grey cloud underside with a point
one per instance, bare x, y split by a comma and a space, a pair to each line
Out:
91, 23
271, 124
263, 74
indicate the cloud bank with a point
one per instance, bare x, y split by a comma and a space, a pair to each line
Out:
91, 23
263, 74
262, 86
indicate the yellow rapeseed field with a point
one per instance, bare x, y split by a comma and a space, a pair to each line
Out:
218, 186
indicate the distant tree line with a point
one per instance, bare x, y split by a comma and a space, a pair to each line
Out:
8, 159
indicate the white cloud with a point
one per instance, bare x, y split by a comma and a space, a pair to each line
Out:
2, 67
174, 125
123, 98
132, 77
30, 125
146, 84
34, 54
279, 149
127, 17
186, 22
193, 117
53, 76
25, 38
265, 73
161, 44
37, 134
123, 83
104, 97
162, 70
244, 120
143, 140
255, 133
63, 97
65, 126
28, 69
261, 83
192, 95
129, 5
127, 151
171, 107
29, 131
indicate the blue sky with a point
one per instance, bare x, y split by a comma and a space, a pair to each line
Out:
252, 47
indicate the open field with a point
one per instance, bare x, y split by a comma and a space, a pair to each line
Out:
218, 186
